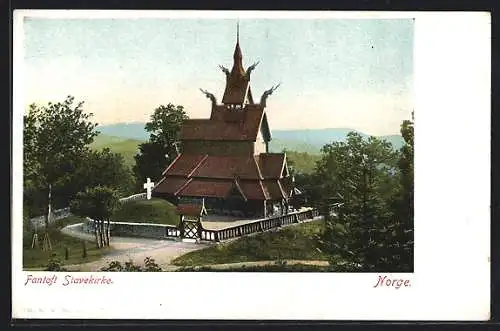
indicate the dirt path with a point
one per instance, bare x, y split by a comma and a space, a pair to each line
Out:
135, 249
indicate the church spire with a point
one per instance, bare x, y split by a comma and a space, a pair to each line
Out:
238, 57
237, 80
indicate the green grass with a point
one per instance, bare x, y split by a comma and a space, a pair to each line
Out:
265, 268
157, 211
293, 242
36, 259
126, 147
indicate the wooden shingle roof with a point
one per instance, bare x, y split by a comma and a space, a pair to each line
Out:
271, 164
226, 125
191, 209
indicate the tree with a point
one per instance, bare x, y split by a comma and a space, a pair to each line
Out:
98, 203
156, 154
54, 137
403, 228
355, 183
95, 168
302, 180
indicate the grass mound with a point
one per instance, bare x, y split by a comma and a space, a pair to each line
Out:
157, 211
293, 242
35, 258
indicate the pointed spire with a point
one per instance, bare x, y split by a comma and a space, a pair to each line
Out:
237, 57
237, 80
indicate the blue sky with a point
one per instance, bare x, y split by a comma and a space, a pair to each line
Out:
354, 73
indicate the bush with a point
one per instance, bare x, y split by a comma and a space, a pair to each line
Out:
149, 266
55, 264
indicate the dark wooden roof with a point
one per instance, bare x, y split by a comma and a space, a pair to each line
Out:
222, 188
206, 188
190, 209
236, 90
257, 177
253, 190
227, 124
170, 185
183, 164
271, 164
228, 167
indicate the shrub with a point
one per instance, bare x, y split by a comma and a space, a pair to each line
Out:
54, 264
149, 266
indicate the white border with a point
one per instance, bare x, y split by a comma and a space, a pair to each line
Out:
213, 14
452, 201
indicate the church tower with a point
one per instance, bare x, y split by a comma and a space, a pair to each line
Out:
237, 91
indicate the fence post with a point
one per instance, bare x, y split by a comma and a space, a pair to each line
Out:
84, 253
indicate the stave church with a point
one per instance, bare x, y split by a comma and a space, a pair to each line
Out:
224, 166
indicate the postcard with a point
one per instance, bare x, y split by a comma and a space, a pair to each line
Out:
251, 165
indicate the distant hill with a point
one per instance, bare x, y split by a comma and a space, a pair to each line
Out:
308, 140
126, 147
125, 130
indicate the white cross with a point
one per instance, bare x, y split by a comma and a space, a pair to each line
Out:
148, 185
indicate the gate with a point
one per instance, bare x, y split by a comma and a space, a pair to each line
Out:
190, 229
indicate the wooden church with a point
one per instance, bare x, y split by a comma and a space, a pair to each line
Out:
224, 165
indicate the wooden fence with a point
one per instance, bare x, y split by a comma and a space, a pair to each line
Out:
258, 226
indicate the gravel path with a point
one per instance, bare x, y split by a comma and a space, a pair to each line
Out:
135, 249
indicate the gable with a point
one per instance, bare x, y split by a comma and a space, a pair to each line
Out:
236, 90
264, 128
249, 99
285, 171
271, 164
260, 135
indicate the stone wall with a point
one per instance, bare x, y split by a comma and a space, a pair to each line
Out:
56, 215
143, 230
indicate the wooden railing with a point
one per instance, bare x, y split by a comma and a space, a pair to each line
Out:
209, 235
172, 231
134, 197
258, 226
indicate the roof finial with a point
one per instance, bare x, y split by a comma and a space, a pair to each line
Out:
238, 31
